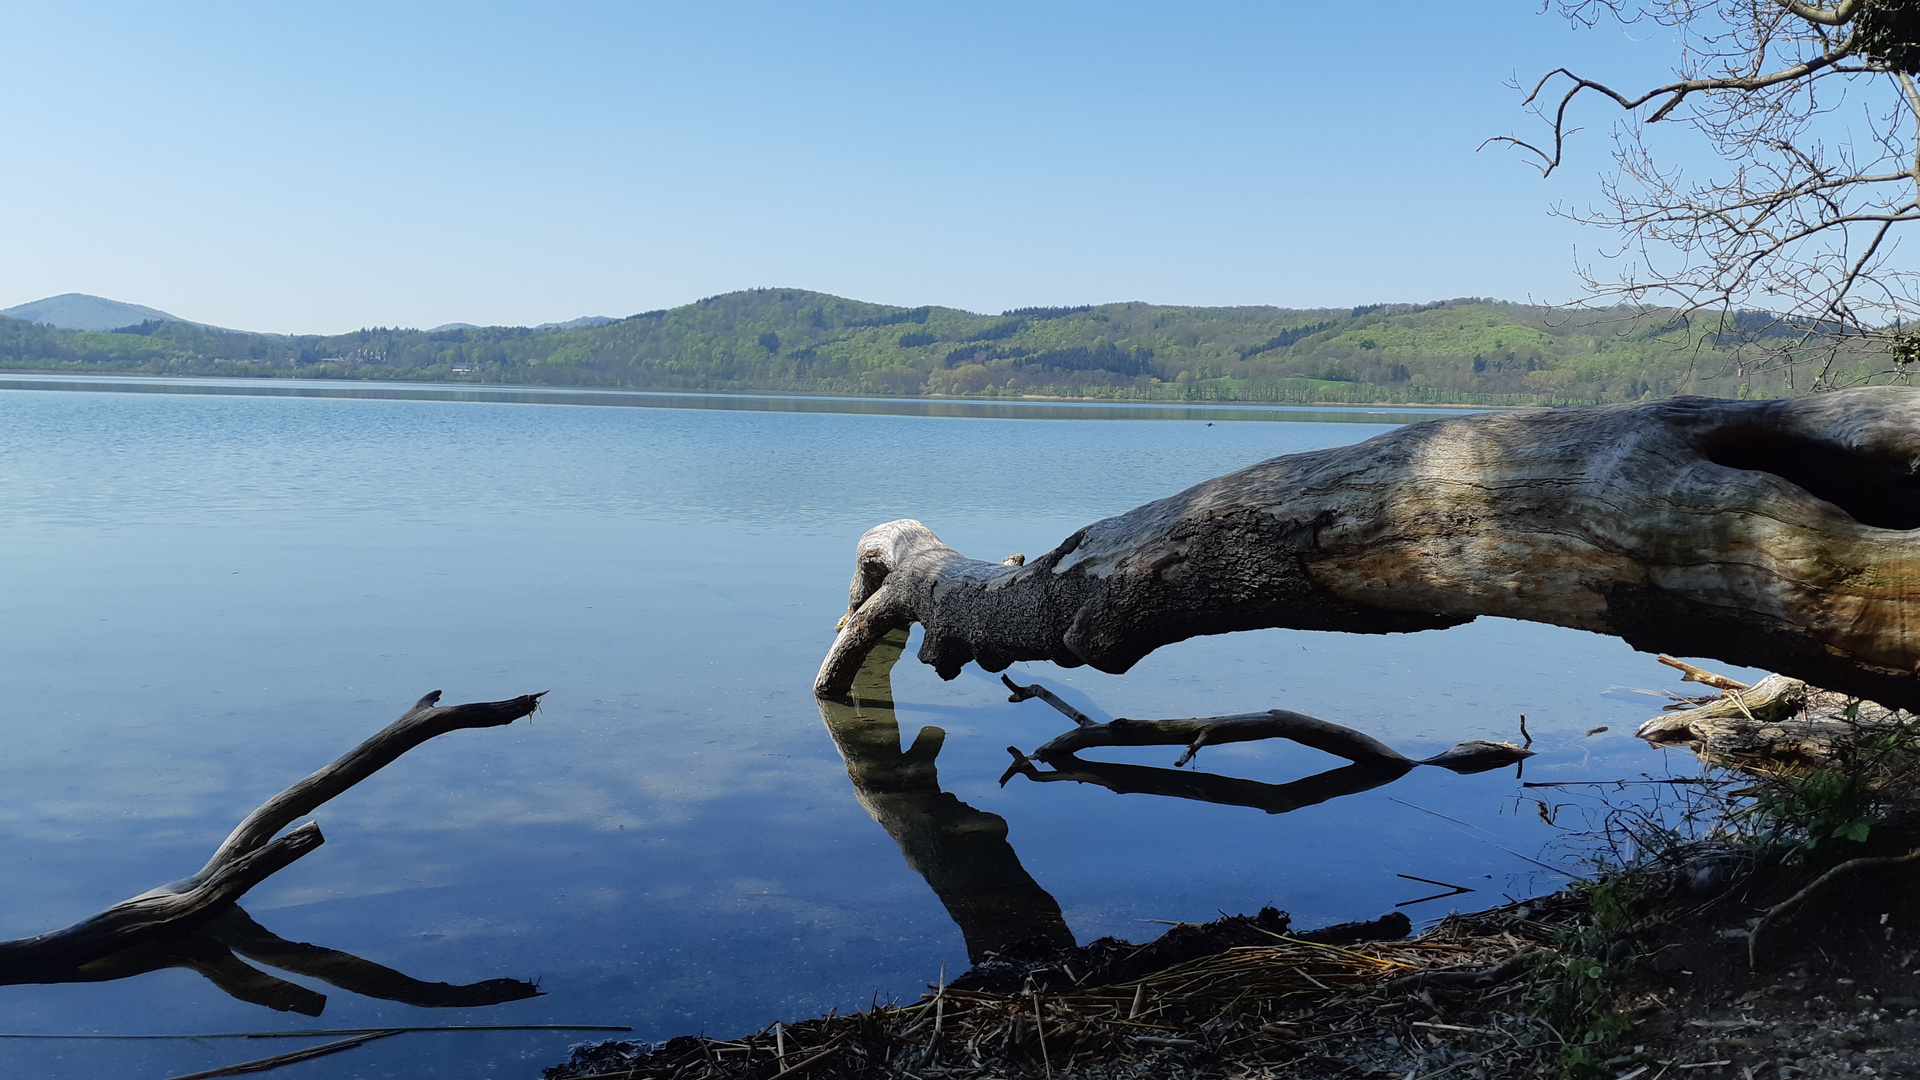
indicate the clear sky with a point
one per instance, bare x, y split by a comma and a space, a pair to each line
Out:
308, 167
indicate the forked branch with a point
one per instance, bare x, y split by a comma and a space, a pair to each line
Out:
250, 854
1195, 732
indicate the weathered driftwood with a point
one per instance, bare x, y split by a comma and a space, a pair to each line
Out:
1689, 673
1775, 534
249, 855
1775, 721
1473, 756
962, 851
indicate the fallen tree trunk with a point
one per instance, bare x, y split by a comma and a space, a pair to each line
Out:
249, 855
1775, 534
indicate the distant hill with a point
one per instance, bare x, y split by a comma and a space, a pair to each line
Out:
78, 311
1462, 351
570, 324
576, 324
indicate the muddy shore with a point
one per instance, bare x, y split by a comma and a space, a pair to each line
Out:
1642, 974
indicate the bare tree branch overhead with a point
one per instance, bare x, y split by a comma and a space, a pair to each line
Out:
1786, 256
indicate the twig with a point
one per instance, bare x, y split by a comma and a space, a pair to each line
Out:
1498, 973
1039, 1028
277, 1060
1022, 693
309, 1033
1701, 675
1699, 780
1435, 896
1430, 881
831, 1049
939, 1010
1502, 847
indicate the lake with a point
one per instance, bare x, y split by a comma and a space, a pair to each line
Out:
215, 586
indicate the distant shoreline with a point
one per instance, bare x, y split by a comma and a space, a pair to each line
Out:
49, 375
1452, 354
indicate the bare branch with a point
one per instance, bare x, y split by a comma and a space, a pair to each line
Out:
1788, 248
1838, 15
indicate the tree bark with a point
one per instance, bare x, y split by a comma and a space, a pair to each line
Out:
1775, 534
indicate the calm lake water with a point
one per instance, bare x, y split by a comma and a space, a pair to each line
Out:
214, 587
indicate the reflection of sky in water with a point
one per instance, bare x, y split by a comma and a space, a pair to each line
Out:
209, 596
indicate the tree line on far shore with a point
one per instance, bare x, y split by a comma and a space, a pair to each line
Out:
1470, 351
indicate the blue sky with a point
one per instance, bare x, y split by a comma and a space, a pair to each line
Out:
304, 167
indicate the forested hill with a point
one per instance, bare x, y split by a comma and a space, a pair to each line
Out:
787, 340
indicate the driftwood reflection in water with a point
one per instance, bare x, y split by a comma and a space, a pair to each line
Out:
962, 852
1208, 787
210, 948
1374, 762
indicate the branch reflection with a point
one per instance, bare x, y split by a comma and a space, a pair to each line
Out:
210, 948
1209, 787
962, 852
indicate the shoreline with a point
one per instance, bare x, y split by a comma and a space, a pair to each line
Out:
1641, 974
55, 374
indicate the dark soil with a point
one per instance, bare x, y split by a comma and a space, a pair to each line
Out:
1644, 976
1110, 961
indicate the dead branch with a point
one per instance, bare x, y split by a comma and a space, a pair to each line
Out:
1701, 675
248, 856
1196, 732
1785, 255
1467, 978
1776, 534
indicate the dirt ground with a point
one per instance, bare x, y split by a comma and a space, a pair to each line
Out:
1641, 976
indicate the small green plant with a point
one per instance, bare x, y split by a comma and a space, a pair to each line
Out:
1580, 985
1842, 800
1575, 1001
1612, 900
1819, 806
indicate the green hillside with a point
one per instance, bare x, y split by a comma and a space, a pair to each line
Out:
1470, 351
